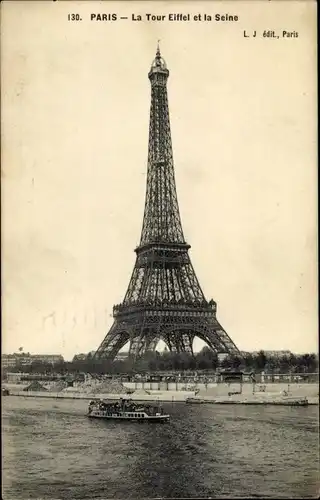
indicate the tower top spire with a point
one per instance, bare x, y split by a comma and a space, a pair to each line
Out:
158, 50
158, 64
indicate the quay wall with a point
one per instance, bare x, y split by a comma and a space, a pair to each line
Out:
203, 390
297, 390
171, 396
157, 396
222, 389
273, 391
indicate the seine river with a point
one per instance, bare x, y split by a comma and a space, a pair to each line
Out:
53, 451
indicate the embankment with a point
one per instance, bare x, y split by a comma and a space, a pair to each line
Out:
216, 393
169, 391
222, 389
294, 390
171, 396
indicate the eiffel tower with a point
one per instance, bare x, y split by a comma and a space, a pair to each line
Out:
164, 300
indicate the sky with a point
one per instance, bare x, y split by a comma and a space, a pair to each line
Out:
75, 112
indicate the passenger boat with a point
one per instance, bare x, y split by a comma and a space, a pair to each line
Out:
261, 402
194, 401
264, 402
126, 410
291, 402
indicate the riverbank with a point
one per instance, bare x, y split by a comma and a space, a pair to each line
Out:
214, 393
169, 396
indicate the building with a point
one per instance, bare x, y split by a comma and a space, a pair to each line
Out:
10, 360
79, 357
82, 356
222, 356
122, 356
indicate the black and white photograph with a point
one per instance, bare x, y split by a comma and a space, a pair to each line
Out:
159, 250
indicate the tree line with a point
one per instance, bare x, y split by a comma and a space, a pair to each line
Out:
180, 362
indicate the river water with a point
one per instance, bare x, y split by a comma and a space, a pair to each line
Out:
52, 450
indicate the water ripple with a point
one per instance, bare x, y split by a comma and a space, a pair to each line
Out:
52, 451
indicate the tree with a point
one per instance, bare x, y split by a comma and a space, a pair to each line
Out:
260, 361
206, 359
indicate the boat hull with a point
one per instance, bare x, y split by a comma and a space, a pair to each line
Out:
194, 401
297, 402
150, 418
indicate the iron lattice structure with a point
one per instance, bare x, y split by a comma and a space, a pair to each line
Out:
164, 300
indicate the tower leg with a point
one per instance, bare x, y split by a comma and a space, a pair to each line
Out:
137, 346
151, 344
112, 343
216, 338
179, 341
170, 341
186, 341
146, 341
